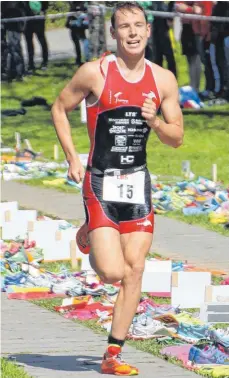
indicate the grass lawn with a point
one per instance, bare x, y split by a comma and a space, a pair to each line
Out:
11, 370
206, 138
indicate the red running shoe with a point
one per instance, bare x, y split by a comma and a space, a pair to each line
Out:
113, 364
82, 239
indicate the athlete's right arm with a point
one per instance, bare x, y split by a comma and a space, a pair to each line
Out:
75, 91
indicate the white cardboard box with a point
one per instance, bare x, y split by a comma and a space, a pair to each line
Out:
217, 293
18, 224
56, 244
188, 288
157, 276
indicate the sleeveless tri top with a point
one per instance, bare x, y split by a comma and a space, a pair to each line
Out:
118, 133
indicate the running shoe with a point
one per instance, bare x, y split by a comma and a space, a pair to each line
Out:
148, 330
209, 357
17, 257
68, 285
110, 289
192, 332
220, 336
217, 371
42, 280
114, 364
82, 239
97, 291
16, 279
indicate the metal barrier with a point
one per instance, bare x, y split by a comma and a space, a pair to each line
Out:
154, 13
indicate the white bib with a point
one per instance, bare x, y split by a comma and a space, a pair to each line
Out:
128, 188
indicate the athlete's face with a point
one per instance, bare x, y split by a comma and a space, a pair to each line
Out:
131, 31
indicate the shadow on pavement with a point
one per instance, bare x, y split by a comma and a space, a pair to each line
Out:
63, 363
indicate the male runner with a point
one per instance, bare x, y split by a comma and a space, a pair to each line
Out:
123, 94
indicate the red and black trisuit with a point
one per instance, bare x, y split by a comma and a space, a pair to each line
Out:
117, 184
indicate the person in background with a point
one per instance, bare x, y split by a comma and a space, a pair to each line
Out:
219, 50
189, 44
4, 51
201, 30
35, 8
11, 39
78, 24
162, 43
97, 29
225, 33
148, 6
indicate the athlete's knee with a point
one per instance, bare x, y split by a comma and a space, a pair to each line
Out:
111, 276
134, 272
107, 275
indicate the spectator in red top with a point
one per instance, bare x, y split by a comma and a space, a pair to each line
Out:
189, 43
202, 29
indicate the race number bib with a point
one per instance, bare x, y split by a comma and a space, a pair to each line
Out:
128, 188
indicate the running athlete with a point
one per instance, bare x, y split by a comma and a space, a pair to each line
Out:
123, 93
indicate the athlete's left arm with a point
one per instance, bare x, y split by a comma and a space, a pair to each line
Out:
170, 130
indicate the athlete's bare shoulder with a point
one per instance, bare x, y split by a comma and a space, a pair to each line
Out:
84, 79
89, 67
94, 67
100, 65
86, 73
165, 79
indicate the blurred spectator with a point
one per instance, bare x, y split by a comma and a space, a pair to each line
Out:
148, 6
219, 50
190, 44
161, 39
201, 29
35, 8
97, 29
77, 24
225, 33
4, 51
12, 57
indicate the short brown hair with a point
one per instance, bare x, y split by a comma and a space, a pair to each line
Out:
128, 5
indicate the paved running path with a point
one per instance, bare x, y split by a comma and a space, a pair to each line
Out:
49, 346
172, 238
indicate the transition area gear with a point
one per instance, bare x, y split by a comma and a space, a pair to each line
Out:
117, 184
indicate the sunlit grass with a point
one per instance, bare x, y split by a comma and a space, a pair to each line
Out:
11, 370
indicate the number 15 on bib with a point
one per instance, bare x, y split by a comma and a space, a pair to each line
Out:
127, 188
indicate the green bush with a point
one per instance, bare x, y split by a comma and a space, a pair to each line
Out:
57, 7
